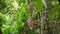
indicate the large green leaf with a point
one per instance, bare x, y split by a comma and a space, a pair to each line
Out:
53, 12
39, 4
7, 2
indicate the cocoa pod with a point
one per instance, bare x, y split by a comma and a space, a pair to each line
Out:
31, 7
30, 22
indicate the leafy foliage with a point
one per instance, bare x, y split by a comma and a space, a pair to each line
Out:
14, 15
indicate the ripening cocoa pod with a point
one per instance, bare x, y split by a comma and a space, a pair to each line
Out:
31, 7
30, 22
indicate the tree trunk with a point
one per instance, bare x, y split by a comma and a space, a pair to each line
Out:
41, 23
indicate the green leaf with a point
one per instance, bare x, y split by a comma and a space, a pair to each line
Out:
54, 2
53, 12
7, 1
44, 3
39, 4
